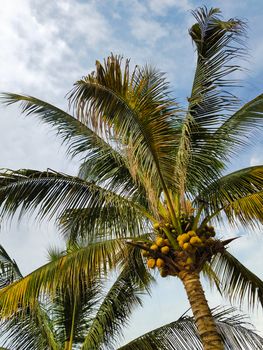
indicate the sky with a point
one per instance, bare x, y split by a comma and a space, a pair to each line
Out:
45, 46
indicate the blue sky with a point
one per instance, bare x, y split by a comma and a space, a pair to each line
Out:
47, 45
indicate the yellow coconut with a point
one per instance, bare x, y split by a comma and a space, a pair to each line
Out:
151, 263
181, 243
191, 233
154, 247
196, 241
160, 263
159, 241
165, 249
185, 237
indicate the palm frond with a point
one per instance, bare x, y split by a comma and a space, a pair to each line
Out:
101, 161
135, 110
9, 271
239, 195
218, 43
237, 282
94, 259
29, 329
182, 334
238, 130
53, 193
79, 138
116, 307
72, 309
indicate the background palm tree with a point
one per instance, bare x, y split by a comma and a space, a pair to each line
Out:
82, 316
152, 175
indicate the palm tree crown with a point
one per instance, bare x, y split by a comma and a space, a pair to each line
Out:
152, 175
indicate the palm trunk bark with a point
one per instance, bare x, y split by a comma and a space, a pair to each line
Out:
202, 314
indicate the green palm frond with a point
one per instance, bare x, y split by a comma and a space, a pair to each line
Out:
31, 329
238, 130
54, 193
218, 43
101, 161
72, 309
79, 138
218, 148
239, 195
9, 271
94, 259
116, 308
135, 110
236, 281
182, 334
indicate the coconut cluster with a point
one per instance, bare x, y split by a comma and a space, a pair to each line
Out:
186, 251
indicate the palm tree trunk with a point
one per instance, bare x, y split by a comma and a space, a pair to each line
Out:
202, 314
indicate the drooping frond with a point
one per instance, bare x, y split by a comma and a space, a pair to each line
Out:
72, 309
94, 259
182, 334
238, 130
102, 163
117, 305
217, 43
239, 195
236, 281
29, 330
9, 271
135, 111
53, 193
78, 137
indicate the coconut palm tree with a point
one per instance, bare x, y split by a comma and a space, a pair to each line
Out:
81, 316
153, 179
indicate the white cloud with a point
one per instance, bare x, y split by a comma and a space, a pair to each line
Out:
147, 30
161, 7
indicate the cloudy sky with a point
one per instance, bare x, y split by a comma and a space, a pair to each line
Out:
46, 45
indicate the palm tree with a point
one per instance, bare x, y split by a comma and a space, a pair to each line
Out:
81, 316
152, 183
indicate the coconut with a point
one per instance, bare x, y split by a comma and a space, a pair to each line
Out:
160, 263
184, 237
159, 241
165, 249
151, 263
191, 233
154, 247
195, 241
156, 226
